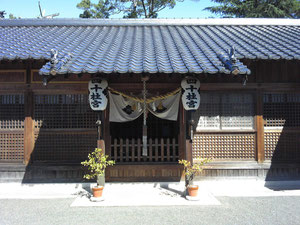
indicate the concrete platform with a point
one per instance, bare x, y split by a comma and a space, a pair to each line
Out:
150, 194
145, 194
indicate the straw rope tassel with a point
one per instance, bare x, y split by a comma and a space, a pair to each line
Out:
145, 152
149, 100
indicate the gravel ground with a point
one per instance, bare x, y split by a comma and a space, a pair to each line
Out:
233, 210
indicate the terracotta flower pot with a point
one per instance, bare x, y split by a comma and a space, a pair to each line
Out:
97, 191
193, 190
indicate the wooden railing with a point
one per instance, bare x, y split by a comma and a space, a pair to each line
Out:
130, 150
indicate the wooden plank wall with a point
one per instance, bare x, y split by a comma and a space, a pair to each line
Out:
144, 173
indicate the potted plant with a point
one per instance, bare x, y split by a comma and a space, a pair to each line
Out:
96, 164
190, 171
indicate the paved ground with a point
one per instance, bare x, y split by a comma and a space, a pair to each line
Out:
240, 202
233, 210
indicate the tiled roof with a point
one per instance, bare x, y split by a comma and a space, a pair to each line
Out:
149, 45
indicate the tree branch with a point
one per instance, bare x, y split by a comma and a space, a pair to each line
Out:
152, 6
144, 9
161, 8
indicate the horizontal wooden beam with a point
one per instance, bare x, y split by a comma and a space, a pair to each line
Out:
237, 131
82, 87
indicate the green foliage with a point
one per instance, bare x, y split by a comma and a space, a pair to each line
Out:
130, 8
91, 10
257, 8
11, 16
97, 163
191, 170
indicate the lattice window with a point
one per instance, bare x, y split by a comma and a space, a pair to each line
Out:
208, 114
63, 146
11, 146
12, 118
63, 111
282, 146
224, 146
225, 111
282, 110
12, 111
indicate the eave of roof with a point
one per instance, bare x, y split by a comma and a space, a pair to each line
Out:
149, 22
149, 45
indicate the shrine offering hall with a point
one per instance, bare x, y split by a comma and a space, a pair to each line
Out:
149, 92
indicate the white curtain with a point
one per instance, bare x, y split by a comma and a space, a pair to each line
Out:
124, 109
167, 108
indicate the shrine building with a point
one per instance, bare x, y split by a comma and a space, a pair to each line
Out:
150, 92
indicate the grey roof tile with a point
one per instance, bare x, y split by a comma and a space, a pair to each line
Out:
151, 46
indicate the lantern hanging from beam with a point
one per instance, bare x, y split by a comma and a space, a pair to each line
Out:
98, 92
190, 96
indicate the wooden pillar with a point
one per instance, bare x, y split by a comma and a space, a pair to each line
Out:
189, 150
260, 145
190, 135
106, 137
100, 128
100, 138
29, 127
182, 132
106, 130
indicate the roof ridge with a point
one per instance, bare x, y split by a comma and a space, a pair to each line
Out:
149, 22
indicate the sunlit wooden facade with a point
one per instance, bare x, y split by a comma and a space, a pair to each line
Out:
246, 129
250, 129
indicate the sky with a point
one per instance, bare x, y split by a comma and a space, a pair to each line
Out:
67, 9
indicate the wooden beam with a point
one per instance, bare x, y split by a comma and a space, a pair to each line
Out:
188, 137
182, 133
260, 145
29, 127
106, 130
52, 88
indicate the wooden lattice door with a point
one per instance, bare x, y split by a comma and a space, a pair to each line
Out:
12, 127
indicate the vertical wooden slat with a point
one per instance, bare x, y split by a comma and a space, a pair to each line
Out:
150, 150
260, 146
127, 149
156, 149
168, 149
121, 150
162, 152
115, 150
132, 150
174, 149
139, 149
